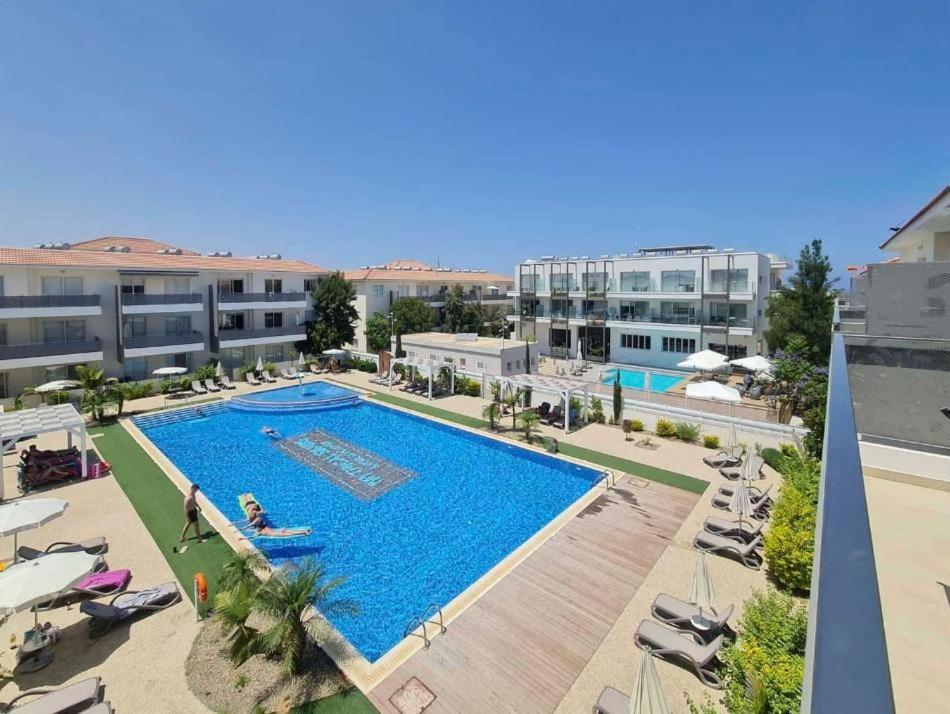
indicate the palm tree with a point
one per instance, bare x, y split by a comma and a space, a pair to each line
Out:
285, 600
95, 398
529, 421
511, 401
490, 412
232, 608
242, 569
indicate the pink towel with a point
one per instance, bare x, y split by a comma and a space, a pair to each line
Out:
110, 580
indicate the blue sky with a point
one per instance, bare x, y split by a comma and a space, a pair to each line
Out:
475, 133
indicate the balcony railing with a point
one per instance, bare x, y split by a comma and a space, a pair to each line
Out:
722, 288
531, 285
722, 322
20, 301
654, 317
846, 665
226, 335
563, 284
161, 299
49, 349
189, 338
261, 297
631, 285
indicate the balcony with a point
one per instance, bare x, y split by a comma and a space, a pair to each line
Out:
148, 345
143, 304
261, 336
531, 284
721, 288
26, 306
50, 354
563, 284
717, 322
654, 317
261, 301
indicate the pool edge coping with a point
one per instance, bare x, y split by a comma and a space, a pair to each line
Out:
359, 670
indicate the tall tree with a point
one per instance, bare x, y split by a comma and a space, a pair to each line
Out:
377, 332
336, 316
472, 318
806, 307
454, 309
410, 315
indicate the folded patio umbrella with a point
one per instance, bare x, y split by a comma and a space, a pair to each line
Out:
260, 364
702, 593
219, 370
25, 515
647, 694
740, 503
32, 582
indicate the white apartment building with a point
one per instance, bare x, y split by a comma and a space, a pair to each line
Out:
133, 305
486, 355
379, 286
650, 308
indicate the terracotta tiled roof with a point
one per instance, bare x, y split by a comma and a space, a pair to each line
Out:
907, 224
417, 271
135, 245
74, 258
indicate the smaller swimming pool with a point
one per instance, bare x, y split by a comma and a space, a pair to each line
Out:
637, 378
315, 395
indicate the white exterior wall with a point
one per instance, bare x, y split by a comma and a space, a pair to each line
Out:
495, 362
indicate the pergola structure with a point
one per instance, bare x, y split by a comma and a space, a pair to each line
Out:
43, 420
429, 367
561, 386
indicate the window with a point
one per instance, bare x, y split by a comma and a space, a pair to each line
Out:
509, 366
3, 334
130, 286
135, 368
403, 291
450, 360
635, 342
4, 385
479, 365
678, 281
731, 352
232, 321
636, 311
59, 285
273, 285
310, 284
235, 285
273, 319
635, 282
178, 325
55, 331
133, 327
422, 290
722, 313
377, 291
738, 280
679, 344
518, 364
177, 286
461, 361
273, 353
233, 357
178, 360
2, 293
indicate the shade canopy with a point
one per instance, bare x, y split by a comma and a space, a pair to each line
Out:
429, 367
56, 386
702, 593
713, 390
24, 515
32, 582
756, 363
562, 386
704, 360
647, 697
169, 371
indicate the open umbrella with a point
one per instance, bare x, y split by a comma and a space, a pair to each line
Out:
647, 694
56, 386
701, 592
706, 361
260, 364
26, 515
169, 371
32, 582
334, 352
715, 391
756, 363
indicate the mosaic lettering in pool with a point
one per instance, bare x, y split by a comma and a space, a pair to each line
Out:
357, 471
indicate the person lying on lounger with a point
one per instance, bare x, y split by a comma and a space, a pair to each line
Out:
255, 520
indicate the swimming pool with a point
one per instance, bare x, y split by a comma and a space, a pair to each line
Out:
433, 509
636, 379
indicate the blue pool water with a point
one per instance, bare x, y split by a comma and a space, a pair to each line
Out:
636, 379
313, 390
469, 502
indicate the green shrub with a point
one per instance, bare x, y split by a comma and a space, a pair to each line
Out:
767, 660
467, 386
710, 441
58, 397
790, 542
687, 432
597, 411
804, 473
203, 372
787, 449
774, 458
664, 427
636, 425
362, 365
138, 390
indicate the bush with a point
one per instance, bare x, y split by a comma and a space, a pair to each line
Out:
687, 432
361, 365
597, 411
636, 425
804, 473
58, 397
664, 427
790, 542
711, 441
203, 372
138, 390
774, 458
787, 449
767, 660
467, 386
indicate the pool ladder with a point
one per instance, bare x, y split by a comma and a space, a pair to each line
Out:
432, 609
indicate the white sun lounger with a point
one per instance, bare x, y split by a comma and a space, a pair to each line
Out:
667, 643
75, 697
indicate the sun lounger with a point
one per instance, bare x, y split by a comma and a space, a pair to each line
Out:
225, 382
553, 416
265, 375
544, 409
745, 552
211, 386
760, 508
287, 374
316, 369
125, 605
76, 697
667, 643
727, 489
100, 708
612, 701
93, 546
108, 582
197, 388
723, 460
32, 477
735, 530
683, 615
734, 473
251, 379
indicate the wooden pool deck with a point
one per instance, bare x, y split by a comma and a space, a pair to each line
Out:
522, 644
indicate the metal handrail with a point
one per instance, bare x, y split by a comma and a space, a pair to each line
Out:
411, 630
429, 611
846, 665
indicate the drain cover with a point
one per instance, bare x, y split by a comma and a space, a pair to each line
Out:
412, 698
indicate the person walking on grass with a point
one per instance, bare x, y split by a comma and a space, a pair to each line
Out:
191, 514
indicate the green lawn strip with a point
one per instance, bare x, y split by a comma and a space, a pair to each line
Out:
651, 473
159, 505
352, 701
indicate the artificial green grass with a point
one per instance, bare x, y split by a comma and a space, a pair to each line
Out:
651, 473
159, 505
352, 701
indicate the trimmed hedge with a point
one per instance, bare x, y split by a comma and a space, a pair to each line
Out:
790, 542
362, 365
774, 458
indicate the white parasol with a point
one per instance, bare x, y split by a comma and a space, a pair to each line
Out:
26, 515
169, 371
